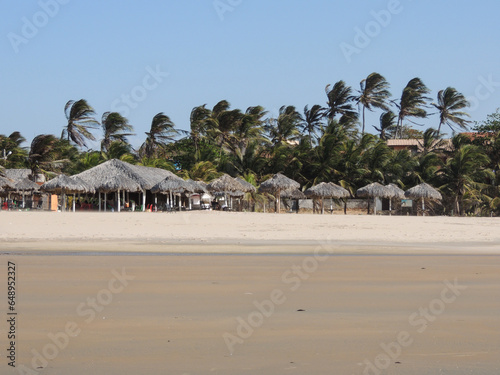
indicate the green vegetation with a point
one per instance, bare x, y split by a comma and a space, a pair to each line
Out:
320, 144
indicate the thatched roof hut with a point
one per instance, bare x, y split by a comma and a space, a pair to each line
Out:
249, 188
172, 184
327, 190
423, 191
63, 184
277, 184
197, 186
397, 192
117, 175
374, 190
293, 194
225, 183
6, 183
19, 174
26, 185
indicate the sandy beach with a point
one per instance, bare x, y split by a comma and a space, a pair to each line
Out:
240, 293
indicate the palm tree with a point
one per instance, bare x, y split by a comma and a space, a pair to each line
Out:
312, 121
387, 123
41, 153
373, 93
162, 131
80, 116
449, 104
465, 172
412, 102
284, 128
340, 101
12, 154
198, 125
114, 127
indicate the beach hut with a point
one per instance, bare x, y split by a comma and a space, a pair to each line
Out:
26, 186
173, 184
327, 190
374, 190
63, 185
397, 193
6, 185
276, 185
226, 184
423, 191
127, 178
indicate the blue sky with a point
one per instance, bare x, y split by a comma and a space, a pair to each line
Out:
170, 56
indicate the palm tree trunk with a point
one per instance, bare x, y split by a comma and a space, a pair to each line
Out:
363, 130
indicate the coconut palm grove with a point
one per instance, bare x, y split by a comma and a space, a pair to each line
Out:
326, 142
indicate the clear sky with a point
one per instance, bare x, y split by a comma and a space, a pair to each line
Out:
151, 56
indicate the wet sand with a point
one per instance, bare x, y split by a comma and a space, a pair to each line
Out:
102, 301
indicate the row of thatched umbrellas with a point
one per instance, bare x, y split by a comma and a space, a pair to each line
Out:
117, 176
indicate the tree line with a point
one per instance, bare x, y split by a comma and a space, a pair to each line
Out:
320, 143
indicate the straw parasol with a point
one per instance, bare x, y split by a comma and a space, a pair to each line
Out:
173, 184
277, 184
6, 183
248, 187
423, 191
226, 184
374, 190
327, 190
63, 184
397, 193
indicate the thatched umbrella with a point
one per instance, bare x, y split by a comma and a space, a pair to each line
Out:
423, 191
63, 185
6, 184
326, 190
374, 190
277, 184
172, 184
26, 186
248, 187
225, 184
294, 194
397, 193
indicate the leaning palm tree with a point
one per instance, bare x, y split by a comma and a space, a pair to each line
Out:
114, 127
312, 121
340, 101
412, 103
450, 102
41, 153
373, 93
387, 124
162, 131
80, 116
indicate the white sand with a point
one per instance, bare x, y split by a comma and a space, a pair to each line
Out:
256, 232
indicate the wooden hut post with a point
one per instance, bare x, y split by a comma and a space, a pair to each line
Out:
99, 194
105, 201
143, 200
74, 202
423, 207
118, 201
